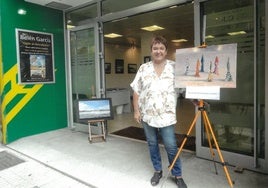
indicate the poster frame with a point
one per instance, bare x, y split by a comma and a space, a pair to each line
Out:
35, 57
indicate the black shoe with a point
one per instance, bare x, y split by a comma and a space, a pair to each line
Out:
156, 177
180, 183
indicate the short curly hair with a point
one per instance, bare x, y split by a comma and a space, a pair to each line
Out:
161, 40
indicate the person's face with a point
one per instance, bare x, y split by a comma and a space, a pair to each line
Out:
158, 52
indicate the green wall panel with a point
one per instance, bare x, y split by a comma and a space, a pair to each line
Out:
46, 110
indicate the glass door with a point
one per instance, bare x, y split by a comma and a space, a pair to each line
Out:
238, 118
85, 67
83, 63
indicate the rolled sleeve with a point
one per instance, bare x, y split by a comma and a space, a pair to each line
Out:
136, 83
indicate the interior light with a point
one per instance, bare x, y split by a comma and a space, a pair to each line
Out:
237, 33
22, 11
70, 26
112, 35
179, 40
209, 37
152, 28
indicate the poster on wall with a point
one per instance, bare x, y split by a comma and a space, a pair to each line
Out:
35, 57
211, 66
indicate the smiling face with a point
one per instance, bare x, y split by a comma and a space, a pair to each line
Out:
158, 52
159, 49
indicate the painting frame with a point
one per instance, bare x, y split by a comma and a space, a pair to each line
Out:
94, 109
146, 59
215, 65
119, 66
107, 67
132, 68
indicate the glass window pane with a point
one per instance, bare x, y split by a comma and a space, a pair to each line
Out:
233, 116
82, 65
75, 17
260, 78
109, 6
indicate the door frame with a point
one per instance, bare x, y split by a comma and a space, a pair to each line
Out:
99, 66
97, 24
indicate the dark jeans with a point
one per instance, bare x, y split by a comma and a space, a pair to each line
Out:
169, 141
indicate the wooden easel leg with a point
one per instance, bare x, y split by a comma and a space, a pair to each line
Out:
181, 147
89, 133
209, 142
101, 127
218, 150
208, 129
103, 130
184, 141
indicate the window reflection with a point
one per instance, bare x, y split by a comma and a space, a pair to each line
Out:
233, 116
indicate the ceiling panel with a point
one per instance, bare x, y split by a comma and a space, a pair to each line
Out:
178, 22
70, 3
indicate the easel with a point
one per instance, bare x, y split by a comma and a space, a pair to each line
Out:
208, 129
99, 122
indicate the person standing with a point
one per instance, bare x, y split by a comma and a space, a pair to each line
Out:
154, 102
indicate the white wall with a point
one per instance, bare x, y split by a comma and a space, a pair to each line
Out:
130, 56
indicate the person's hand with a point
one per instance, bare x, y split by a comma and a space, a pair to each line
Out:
137, 116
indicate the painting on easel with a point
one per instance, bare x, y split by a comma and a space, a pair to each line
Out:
211, 66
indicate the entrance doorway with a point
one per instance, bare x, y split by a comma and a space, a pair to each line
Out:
84, 68
132, 47
123, 56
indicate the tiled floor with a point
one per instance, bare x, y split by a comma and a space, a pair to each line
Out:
65, 159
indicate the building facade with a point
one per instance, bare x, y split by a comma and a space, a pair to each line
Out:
33, 102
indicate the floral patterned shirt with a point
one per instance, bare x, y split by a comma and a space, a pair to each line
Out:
157, 96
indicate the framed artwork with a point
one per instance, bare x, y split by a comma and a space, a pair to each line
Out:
35, 57
93, 109
211, 66
147, 59
132, 68
107, 67
119, 66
